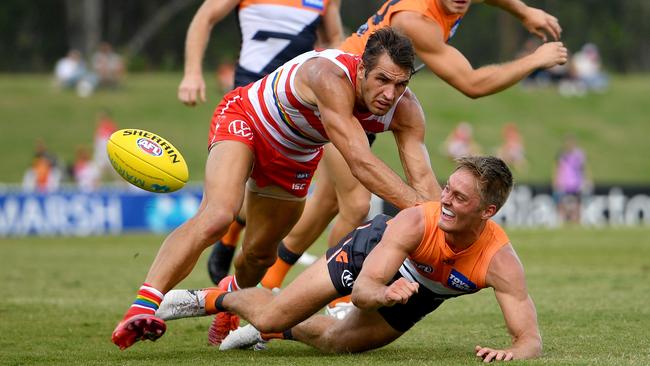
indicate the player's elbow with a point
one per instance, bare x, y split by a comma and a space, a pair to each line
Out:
473, 92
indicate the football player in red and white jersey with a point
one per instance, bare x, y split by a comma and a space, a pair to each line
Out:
267, 138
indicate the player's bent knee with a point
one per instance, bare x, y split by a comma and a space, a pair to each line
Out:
356, 209
212, 224
260, 258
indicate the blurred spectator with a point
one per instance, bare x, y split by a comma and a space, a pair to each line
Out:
586, 73
108, 66
226, 76
84, 172
44, 174
460, 142
103, 131
512, 150
588, 69
570, 180
69, 70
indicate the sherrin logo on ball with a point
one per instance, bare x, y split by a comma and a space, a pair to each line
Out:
147, 160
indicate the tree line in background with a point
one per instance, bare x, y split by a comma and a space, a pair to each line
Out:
151, 33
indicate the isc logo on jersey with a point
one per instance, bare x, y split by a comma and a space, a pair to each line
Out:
147, 160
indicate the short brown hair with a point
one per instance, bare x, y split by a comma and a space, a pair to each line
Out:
388, 40
493, 176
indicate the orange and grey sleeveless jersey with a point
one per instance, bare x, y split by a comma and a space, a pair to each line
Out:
273, 32
447, 273
292, 125
431, 9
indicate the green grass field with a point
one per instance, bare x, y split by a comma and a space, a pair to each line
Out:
62, 297
611, 127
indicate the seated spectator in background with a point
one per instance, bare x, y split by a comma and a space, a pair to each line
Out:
44, 174
570, 180
103, 131
512, 150
460, 142
586, 73
108, 66
587, 68
83, 171
69, 70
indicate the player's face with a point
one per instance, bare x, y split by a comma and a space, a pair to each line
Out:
455, 6
383, 85
462, 209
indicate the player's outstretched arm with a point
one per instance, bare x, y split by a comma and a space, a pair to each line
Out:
322, 83
506, 276
402, 236
454, 68
192, 88
536, 21
408, 127
331, 29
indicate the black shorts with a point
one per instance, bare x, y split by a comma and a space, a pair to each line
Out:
344, 263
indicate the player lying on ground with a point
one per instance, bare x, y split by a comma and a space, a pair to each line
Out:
398, 270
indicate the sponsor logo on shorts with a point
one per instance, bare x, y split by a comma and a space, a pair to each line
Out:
423, 267
149, 146
299, 186
303, 175
316, 4
240, 128
458, 281
347, 279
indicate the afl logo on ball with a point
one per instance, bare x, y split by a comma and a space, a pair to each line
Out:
149, 147
240, 128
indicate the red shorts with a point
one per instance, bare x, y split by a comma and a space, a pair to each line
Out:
231, 122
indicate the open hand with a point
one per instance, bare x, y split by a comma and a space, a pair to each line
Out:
191, 90
491, 354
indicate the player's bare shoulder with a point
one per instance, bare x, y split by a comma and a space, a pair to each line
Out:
319, 78
424, 32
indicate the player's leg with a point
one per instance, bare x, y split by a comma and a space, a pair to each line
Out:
304, 296
359, 331
269, 220
227, 168
271, 213
319, 210
223, 251
352, 196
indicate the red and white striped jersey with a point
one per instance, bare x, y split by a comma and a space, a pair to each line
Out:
290, 124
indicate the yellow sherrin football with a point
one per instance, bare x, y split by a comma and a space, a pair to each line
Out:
147, 160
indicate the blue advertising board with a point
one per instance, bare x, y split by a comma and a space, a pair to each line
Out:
111, 211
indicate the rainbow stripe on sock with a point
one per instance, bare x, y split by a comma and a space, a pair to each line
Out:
148, 298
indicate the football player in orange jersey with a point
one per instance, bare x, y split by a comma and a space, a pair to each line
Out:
398, 270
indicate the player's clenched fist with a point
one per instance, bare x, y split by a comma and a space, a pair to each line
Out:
399, 292
551, 54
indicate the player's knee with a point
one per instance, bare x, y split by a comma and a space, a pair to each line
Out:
259, 255
356, 208
212, 224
